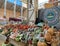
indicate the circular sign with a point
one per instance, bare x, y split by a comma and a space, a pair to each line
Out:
52, 16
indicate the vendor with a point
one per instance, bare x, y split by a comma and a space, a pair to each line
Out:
5, 20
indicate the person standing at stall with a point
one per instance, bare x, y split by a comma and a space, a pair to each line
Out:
5, 20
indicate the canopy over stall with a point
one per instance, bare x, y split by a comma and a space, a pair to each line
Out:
9, 4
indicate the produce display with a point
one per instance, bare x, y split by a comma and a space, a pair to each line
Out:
33, 35
41, 44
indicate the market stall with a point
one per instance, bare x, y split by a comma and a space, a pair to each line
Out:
21, 34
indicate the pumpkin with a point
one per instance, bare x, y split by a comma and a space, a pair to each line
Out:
15, 29
58, 34
54, 41
21, 26
4, 31
51, 31
41, 44
48, 37
26, 26
46, 27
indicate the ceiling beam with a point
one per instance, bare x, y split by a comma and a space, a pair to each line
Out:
24, 1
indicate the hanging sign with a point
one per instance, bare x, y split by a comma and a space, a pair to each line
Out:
52, 16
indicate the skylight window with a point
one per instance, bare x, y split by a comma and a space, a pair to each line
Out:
42, 2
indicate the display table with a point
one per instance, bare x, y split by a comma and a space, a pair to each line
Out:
15, 43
